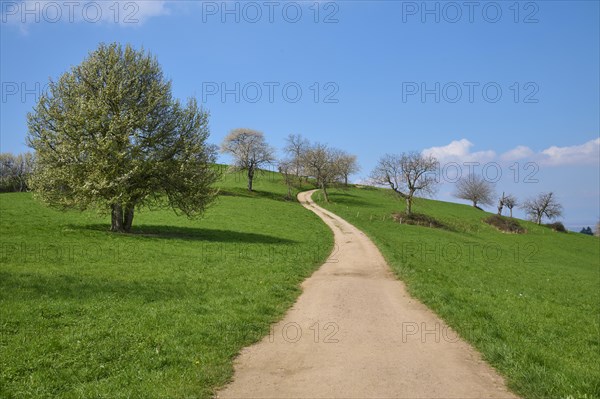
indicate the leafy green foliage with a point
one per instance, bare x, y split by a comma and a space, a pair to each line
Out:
15, 171
109, 135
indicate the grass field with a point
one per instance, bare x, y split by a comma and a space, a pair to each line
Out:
157, 313
529, 303
163, 311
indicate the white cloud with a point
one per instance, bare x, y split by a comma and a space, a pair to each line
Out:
519, 152
149, 9
584, 154
459, 150
25, 13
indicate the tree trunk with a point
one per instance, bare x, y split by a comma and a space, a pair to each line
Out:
250, 178
510, 212
116, 218
324, 188
539, 219
408, 205
346, 180
128, 217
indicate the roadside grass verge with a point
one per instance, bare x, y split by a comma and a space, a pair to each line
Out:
528, 302
160, 312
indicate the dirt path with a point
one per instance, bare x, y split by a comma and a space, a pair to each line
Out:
356, 333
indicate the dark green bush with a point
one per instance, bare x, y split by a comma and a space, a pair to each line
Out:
508, 225
418, 219
557, 226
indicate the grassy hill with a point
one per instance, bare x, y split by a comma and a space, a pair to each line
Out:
157, 313
528, 302
162, 312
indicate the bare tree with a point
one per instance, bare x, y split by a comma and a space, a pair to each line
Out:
476, 189
348, 166
510, 201
322, 163
545, 204
295, 148
406, 174
249, 150
287, 169
501, 204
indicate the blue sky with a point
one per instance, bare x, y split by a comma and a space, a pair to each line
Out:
511, 85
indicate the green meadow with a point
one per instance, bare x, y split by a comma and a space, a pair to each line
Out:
157, 313
527, 302
162, 312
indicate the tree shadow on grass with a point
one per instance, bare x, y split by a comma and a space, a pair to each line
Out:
81, 287
344, 198
148, 231
242, 192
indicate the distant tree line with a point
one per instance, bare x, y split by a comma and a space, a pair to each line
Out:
15, 171
414, 173
328, 166
481, 192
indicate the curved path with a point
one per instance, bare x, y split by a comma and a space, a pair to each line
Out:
356, 333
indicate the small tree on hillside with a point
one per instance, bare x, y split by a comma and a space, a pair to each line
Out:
348, 166
295, 148
406, 174
287, 170
476, 189
322, 163
250, 151
544, 205
500, 204
510, 201
109, 135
